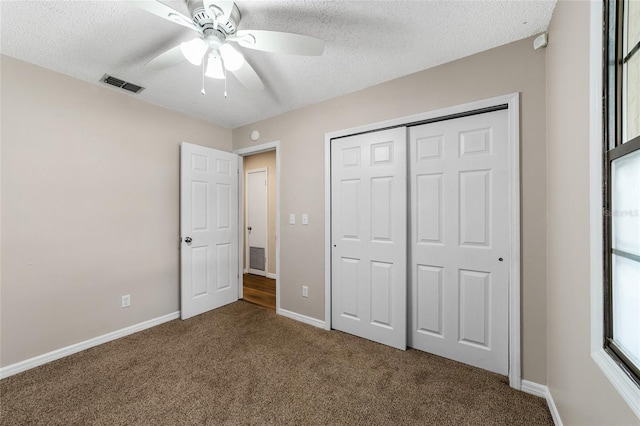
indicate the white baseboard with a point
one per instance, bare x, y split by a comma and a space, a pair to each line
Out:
39, 360
543, 392
302, 318
554, 410
534, 389
267, 274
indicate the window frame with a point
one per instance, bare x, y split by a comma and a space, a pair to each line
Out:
613, 147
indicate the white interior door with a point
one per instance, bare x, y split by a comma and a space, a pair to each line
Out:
460, 240
209, 229
257, 225
369, 216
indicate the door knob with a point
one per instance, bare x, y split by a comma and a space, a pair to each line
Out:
188, 240
249, 228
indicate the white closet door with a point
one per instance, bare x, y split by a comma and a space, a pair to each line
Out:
460, 240
369, 216
257, 222
209, 229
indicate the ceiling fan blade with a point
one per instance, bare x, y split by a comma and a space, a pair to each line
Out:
279, 42
164, 11
248, 77
167, 59
223, 9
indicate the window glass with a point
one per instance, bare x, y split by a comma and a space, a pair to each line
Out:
625, 205
625, 257
631, 70
612, 66
633, 25
626, 299
632, 101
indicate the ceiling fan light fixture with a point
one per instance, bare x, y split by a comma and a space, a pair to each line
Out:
214, 68
216, 22
233, 59
194, 50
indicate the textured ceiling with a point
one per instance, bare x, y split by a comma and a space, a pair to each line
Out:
367, 42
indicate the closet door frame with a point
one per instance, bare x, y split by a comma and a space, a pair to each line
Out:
512, 103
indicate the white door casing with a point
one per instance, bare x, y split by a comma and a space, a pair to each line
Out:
209, 229
459, 268
257, 217
369, 210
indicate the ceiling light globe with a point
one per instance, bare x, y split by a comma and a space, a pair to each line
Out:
194, 50
233, 59
214, 67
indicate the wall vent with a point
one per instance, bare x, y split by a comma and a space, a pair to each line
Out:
130, 87
256, 258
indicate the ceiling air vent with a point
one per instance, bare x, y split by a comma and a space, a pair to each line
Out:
129, 87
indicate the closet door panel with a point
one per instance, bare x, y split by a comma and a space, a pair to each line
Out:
459, 289
369, 234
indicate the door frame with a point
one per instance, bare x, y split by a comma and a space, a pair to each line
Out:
244, 152
512, 102
266, 224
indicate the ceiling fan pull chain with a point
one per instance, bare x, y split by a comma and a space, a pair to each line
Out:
225, 83
203, 92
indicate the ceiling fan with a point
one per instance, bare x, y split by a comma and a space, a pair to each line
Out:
216, 23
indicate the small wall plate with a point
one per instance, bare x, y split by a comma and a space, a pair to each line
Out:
540, 41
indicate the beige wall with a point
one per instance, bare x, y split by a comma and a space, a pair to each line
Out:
261, 161
581, 392
89, 208
512, 68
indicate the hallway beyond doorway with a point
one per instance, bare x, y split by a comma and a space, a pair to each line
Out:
259, 290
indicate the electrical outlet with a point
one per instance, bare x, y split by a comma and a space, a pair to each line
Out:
305, 291
126, 300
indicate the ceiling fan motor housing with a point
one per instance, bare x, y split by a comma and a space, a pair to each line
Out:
205, 22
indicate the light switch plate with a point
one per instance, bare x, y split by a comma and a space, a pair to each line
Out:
292, 219
305, 219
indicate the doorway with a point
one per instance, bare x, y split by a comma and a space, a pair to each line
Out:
260, 225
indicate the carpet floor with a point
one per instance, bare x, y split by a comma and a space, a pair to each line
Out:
243, 364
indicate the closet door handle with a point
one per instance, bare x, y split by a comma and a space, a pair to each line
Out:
188, 240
